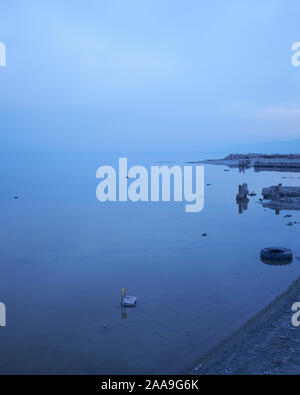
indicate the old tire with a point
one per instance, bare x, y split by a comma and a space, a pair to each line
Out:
276, 255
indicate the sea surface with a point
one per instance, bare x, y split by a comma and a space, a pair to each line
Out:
64, 258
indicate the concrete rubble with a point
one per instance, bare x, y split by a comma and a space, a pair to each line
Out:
279, 191
281, 197
241, 198
260, 162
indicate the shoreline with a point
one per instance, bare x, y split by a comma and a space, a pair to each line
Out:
260, 162
268, 343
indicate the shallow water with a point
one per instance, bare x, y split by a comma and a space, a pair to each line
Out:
65, 258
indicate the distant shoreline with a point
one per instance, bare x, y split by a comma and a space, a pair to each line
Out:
279, 162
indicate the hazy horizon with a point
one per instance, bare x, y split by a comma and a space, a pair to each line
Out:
148, 76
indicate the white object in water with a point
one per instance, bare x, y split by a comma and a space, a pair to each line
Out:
127, 301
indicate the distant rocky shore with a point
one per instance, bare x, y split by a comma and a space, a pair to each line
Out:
277, 162
269, 343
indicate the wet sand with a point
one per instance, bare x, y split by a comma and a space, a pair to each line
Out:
266, 344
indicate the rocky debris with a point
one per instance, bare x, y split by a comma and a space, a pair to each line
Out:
241, 198
279, 191
243, 192
244, 163
262, 156
282, 198
274, 348
198, 367
276, 165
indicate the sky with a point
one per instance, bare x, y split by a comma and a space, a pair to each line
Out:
147, 75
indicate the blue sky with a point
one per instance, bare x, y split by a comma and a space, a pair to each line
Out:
147, 75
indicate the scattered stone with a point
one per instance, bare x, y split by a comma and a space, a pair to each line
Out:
287, 216
204, 234
279, 191
289, 224
252, 194
198, 367
243, 192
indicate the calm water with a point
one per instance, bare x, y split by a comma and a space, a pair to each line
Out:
65, 258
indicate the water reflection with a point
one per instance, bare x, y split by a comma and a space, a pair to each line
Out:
276, 262
241, 198
123, 312
243, 204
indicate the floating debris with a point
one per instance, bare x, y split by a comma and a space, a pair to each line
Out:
198, 367
276, 256
279, 191
281, 197
289, 224
243, 192
204, 234
127, 301
276, 165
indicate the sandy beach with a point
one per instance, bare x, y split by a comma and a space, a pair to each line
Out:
268, 344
